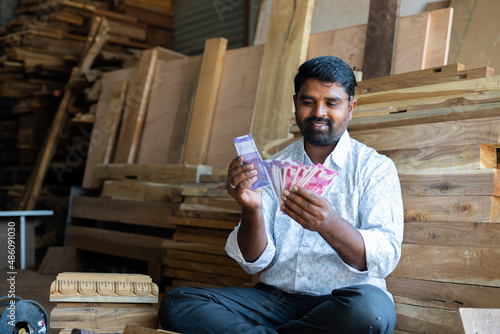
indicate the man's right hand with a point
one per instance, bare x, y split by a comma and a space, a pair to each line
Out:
240, 177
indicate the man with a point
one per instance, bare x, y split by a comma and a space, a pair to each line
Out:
323, 258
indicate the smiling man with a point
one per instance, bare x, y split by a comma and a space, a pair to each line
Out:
323, 259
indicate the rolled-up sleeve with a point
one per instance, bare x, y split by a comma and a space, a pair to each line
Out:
233, 250
382, 220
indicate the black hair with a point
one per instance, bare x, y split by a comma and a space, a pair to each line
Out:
326, 69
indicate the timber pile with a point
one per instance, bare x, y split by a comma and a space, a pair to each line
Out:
103, 302
41, 45
441, 127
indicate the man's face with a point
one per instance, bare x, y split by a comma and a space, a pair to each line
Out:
322, 111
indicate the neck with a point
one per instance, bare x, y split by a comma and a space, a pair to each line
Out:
318, 154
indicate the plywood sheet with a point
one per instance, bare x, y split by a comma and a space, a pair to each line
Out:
475, 31
235, 103
108, 81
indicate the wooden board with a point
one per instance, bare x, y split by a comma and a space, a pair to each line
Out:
460, 132
235, 103
454, 264
110, 277
175, 174
124, 211
449, 183
442, 295
217, 269
411, 51
204, 103
378, 59
211, 204
135, 107
490, 155
480, 320
285, 49
100, 291
200, 257
109, 79
204, 277
162, 109
197, 247
417, 319
438, 43
475, 32
461, 234
96, 317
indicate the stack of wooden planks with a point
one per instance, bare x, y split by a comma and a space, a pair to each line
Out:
102, 302
441, 127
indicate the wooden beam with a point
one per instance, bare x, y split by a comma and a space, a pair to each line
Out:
284, 51
204, 103
175, 174
490, 155
380, 38
123, 211
480, 320
135, 108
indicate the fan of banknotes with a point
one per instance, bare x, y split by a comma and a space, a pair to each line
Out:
280, 174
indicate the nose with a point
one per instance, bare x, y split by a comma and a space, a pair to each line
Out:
320, 110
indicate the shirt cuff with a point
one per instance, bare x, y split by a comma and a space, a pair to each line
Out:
233, 250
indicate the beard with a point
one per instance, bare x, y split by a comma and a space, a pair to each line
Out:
322, 138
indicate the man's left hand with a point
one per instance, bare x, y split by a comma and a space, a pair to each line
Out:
307, 208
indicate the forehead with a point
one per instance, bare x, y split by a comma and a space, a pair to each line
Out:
317, 88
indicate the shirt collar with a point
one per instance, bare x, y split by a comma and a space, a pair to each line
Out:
338, 155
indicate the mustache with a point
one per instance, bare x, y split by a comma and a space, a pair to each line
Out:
319, 119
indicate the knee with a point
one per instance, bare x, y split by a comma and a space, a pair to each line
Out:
172, 304
370, 310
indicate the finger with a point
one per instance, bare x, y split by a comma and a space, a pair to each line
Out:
296, 201
244, 178
309, 195
296, 212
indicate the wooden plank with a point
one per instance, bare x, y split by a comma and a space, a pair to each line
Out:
174, 174
459, 132
233, 217
204, 103
410, 51
438, 159
111, 123
480, 110
474, 33
101, 127
447, 208
235, 103
453, 264
448, 89
203, 189
140, 191
92, 316
465, 234
438, 43
442, 295
183, 117
211, 204
100, 291
456, 183
124, 211
437, 5
217, 269
490, 155
285, 49
380, 42
135, 108
204, 277
111, 277
163, 107
202, 239
417, 319
197, 247
480, 320
202, 222
200, 257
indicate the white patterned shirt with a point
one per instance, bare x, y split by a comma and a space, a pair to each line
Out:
366, 193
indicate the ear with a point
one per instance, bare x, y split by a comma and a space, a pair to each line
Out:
295, 101
352, 105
